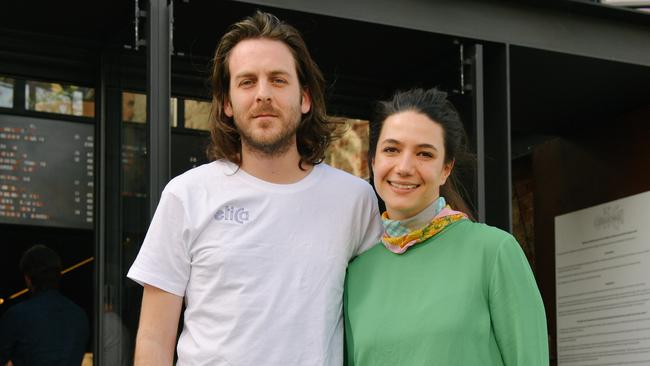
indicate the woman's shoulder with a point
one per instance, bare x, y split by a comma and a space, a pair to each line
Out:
376, 253
474, 235
479, 231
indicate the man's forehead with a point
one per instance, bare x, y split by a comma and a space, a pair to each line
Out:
261, 55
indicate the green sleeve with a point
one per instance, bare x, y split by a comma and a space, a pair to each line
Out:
348, 349
516, 308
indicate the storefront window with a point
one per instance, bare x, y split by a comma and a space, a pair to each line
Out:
57, 98
350, 152
6, 92
197, 115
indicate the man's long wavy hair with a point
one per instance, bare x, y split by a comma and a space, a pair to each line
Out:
314, 131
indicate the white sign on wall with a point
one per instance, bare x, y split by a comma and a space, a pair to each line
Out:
602, 278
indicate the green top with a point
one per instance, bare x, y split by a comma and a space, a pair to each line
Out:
466, 296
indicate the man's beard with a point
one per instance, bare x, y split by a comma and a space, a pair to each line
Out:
278, 144
275, 147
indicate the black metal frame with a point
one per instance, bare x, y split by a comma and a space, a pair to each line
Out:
158, 94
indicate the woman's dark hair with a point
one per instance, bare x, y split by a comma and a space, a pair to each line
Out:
316, 127
43, 267
434, 104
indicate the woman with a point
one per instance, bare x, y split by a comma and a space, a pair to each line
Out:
439, 289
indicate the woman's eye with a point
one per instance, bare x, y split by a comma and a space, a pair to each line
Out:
426, 154
390, 149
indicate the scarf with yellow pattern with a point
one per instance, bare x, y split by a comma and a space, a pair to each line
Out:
400, 243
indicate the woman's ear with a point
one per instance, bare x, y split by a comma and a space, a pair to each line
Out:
446, 170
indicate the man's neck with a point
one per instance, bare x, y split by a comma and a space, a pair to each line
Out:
280, 169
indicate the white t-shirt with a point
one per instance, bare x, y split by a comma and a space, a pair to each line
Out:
261, 265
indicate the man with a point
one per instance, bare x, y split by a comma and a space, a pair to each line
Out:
256, 242
47, 329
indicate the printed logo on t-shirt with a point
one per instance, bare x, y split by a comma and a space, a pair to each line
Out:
233, 214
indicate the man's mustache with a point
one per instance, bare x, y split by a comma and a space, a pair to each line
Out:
265, 110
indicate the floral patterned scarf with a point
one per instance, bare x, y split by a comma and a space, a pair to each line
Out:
398, 238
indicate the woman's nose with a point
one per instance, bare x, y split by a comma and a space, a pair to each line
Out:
405, 165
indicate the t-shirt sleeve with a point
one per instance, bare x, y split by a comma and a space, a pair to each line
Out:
164, 260
371, 223
516, 308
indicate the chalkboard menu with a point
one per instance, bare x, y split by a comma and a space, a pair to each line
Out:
46, 172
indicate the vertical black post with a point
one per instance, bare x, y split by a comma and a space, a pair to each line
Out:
479, 123
498, 161
158, 94
99, 206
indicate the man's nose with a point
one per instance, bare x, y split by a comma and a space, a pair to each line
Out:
263, 92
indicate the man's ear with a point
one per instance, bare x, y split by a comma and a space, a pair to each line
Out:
305, 101
227, 107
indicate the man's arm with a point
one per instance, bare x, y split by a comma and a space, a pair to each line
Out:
158, 327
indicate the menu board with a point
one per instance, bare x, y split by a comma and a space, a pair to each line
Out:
46, 172
602, 259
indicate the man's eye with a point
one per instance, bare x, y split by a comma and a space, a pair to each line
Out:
279, 81
246, 82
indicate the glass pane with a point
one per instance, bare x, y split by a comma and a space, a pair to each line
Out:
46, 197
173, 112
59, 98
134, 108
350, 152
197, 115
6, 92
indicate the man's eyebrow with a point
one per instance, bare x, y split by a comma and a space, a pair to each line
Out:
245, 74
279, 72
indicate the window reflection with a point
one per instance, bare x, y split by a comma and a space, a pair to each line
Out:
6, 92
197, 115
134, 108
350, 152
59, 98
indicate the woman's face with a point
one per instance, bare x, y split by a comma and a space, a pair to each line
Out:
409, 163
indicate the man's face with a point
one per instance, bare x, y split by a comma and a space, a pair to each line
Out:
265, 98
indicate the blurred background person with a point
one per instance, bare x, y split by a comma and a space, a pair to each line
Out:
48, 328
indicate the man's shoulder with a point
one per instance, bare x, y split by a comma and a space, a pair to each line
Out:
18, 310
331, 174
201, 175
42, 301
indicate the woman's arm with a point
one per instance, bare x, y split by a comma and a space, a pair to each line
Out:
516, 309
